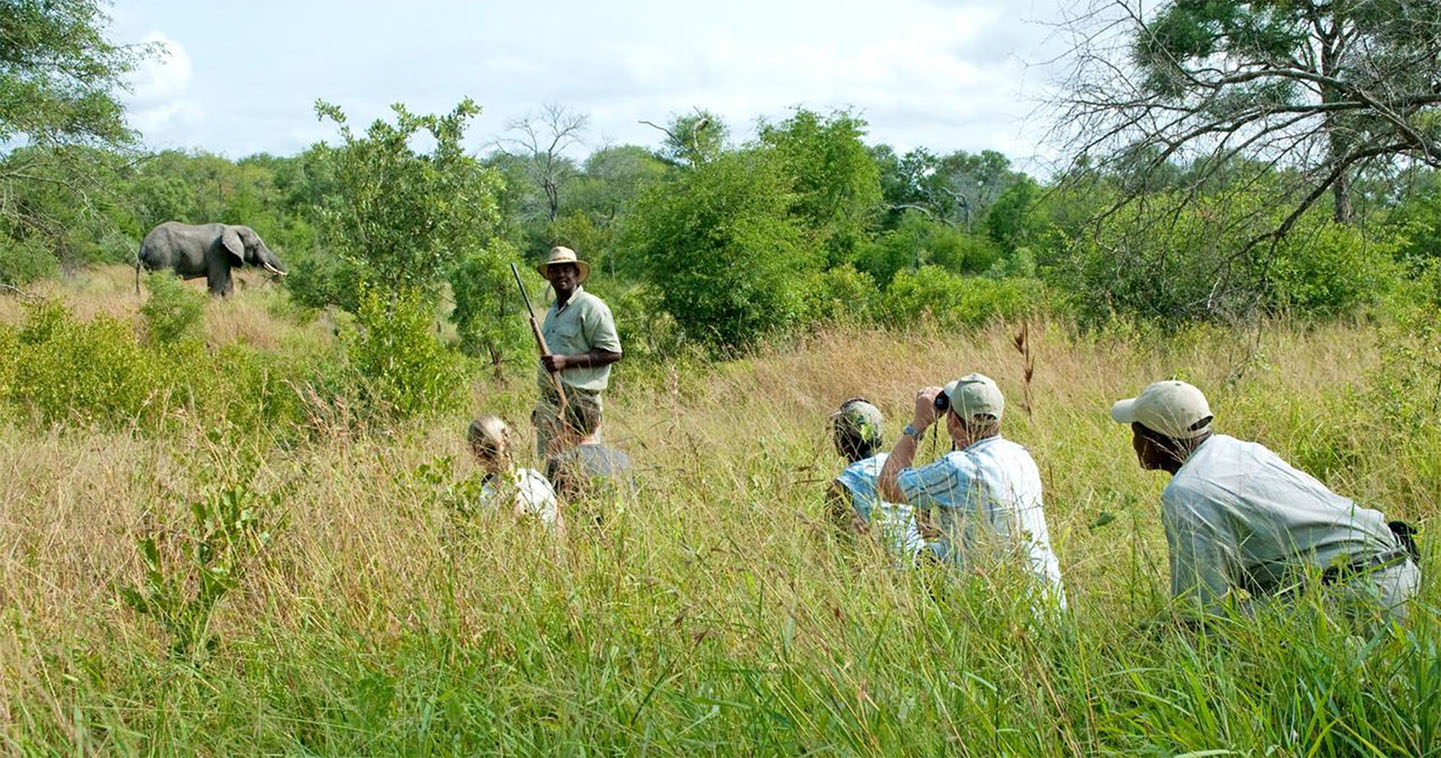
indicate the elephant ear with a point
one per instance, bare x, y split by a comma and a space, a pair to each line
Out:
230, 240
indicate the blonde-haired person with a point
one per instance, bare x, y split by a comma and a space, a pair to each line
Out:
526, 490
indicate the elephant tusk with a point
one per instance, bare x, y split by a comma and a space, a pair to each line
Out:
273, 269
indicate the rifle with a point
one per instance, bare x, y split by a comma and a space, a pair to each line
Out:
544, 350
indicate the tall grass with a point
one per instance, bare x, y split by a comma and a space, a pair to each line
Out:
712, 611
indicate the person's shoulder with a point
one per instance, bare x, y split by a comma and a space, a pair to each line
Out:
591, 301
956, 460
1010, 449
615, 457
531, 480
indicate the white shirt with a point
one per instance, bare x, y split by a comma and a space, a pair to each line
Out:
991, 489
1236, 515
529, 489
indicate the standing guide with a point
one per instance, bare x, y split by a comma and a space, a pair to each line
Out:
580, 333
1237, 517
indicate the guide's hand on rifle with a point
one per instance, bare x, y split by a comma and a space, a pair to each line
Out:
553, 363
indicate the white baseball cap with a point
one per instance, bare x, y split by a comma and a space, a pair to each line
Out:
1173, 408
975, 395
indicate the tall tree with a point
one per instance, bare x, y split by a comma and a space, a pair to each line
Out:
692, 139
836, 186
1322, 88
59, 113
539, 142
400, 220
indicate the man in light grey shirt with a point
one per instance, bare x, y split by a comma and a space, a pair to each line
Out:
1238, 517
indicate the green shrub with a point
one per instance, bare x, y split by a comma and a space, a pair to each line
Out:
841, 295
917, 241
935, 296
56, 369
722, 251
173, 311
94, 372
1330, 269
230, 531
25, 261
489, 314
404, 369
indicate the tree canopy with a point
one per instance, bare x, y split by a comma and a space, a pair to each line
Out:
1319, 89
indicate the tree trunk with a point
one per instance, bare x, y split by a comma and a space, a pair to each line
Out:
1341, 193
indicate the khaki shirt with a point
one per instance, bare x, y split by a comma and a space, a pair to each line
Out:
583, 324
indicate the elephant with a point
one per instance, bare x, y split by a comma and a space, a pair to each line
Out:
208, 250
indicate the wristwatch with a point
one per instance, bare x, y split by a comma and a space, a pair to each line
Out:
912, 431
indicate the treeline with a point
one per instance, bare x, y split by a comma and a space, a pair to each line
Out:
726, 241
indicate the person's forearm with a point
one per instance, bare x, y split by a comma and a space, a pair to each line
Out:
900, 459
592, 359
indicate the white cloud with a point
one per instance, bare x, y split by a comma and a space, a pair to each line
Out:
945, 74
160, 100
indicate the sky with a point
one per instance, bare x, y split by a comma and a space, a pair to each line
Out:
241, 78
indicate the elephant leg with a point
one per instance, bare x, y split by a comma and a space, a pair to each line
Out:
219, 282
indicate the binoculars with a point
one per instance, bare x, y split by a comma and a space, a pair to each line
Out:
943, 403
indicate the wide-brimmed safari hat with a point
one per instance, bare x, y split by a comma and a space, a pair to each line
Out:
562, 254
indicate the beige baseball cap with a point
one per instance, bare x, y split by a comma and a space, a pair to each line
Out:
976, 395
1173, 408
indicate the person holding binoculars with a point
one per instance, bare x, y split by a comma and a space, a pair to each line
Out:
980, 504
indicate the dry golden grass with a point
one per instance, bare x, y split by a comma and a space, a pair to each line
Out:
723, 544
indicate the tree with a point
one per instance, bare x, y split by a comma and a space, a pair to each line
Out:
692, 140
1323, 88
612, 179
59, 118
59, 75
836, 189
539, 145
400, 219
723, 251
957, 189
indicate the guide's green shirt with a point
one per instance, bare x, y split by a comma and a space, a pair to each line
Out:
583, 324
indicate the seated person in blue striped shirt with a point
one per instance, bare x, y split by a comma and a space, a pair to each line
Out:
983, 499
858, 433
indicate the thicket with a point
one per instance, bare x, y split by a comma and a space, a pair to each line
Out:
56, 369
804, 224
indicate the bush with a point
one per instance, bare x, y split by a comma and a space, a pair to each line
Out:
935, 296
722, 251
841, 295
25, 261
403, 367
173, 310
59, 370
917, 241
489, 314
1330, 269
93, 372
